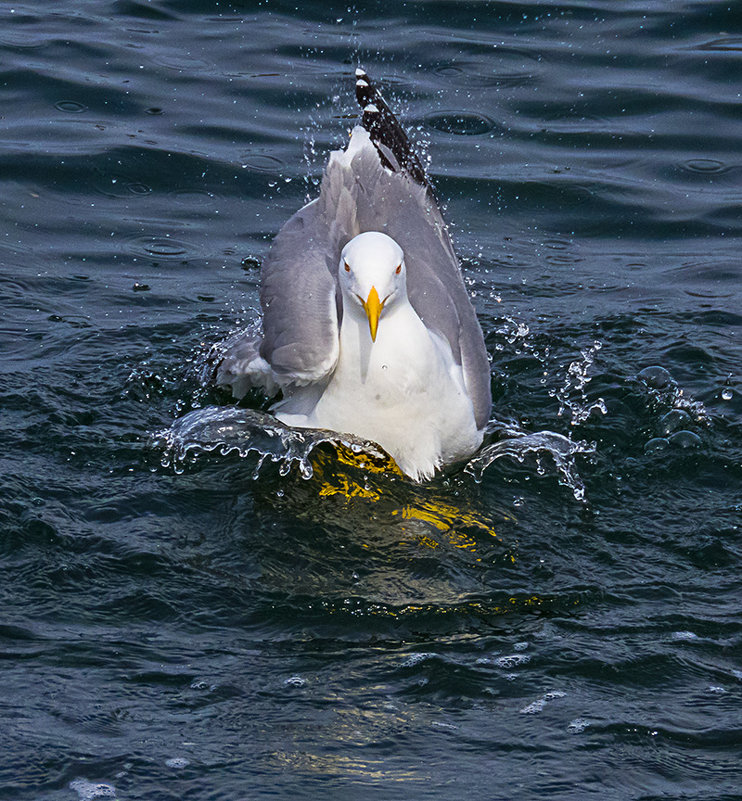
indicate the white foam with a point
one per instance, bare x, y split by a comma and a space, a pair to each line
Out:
537, 706
416, 658
87, 791
512, 660
533, 708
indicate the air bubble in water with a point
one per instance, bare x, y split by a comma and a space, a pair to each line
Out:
685, 439
656, 377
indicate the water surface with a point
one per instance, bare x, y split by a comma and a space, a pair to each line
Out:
199, 633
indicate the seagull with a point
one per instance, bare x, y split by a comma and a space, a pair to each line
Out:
367, 326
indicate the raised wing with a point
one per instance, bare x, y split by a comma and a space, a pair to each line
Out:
298, 296
410, 215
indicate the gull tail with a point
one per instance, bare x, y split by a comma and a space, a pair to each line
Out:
388, 136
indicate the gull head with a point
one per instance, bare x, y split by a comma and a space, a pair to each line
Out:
372, 274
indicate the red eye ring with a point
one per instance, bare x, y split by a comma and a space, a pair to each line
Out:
399, 269
347, 266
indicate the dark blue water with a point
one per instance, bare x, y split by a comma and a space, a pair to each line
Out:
196, 633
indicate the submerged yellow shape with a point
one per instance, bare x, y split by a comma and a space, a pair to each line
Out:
365, 461
448, 519
460, 526
348, 488
336, 482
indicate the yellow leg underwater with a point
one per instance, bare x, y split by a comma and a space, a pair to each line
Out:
461, 526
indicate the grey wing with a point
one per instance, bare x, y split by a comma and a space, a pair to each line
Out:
299, 293
298, 296
299, 342
405, 210
437, 281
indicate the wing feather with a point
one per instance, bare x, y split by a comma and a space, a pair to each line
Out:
298, 296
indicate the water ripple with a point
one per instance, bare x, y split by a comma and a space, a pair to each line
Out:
460, 123
189, 631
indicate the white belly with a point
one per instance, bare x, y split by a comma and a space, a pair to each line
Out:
403, 391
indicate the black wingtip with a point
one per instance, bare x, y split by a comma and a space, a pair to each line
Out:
385, 131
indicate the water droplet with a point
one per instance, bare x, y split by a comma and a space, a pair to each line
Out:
250, 263
727, 394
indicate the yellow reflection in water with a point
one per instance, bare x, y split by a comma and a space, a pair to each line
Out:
366, 483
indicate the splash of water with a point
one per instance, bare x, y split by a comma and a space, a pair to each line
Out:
515, 443
572, 395
249, 432
576, 381
226, 430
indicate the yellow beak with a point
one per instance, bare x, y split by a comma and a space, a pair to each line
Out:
373, 306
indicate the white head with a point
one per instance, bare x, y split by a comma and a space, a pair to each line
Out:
372, 273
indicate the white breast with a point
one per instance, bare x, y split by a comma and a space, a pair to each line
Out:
403, 391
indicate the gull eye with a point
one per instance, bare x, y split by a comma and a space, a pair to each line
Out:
347, 266
399, 269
